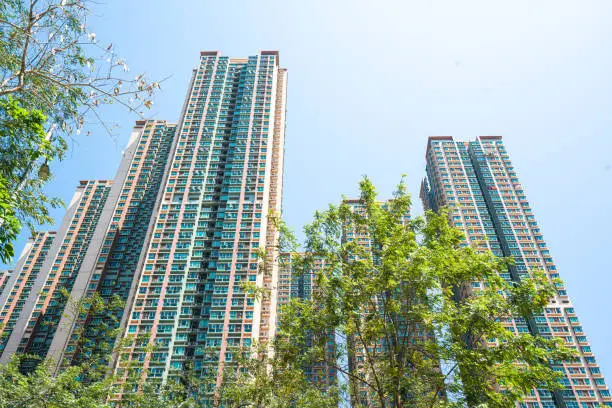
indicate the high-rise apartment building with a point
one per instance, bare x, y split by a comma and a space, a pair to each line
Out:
478, 183
47, 297
115, 254
183, 224
224, 178
173, 237
19, 284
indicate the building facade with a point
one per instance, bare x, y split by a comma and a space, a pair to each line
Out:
95, 252
48, 296
114, 256
224, 178
19, 284
4, 275
478, 183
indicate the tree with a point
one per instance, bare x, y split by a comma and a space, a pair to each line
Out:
9, 224
92, 382
69, 389
54, 74
24, 150
260, 380
396, 294
40, 389
51, 63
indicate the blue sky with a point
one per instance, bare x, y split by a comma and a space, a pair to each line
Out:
370, 80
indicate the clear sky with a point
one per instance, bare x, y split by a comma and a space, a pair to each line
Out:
370, 80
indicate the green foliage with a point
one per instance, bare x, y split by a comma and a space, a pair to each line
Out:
263, 381
24, 149
40, 389
70, 388
397, 293
9, 224
24, 153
